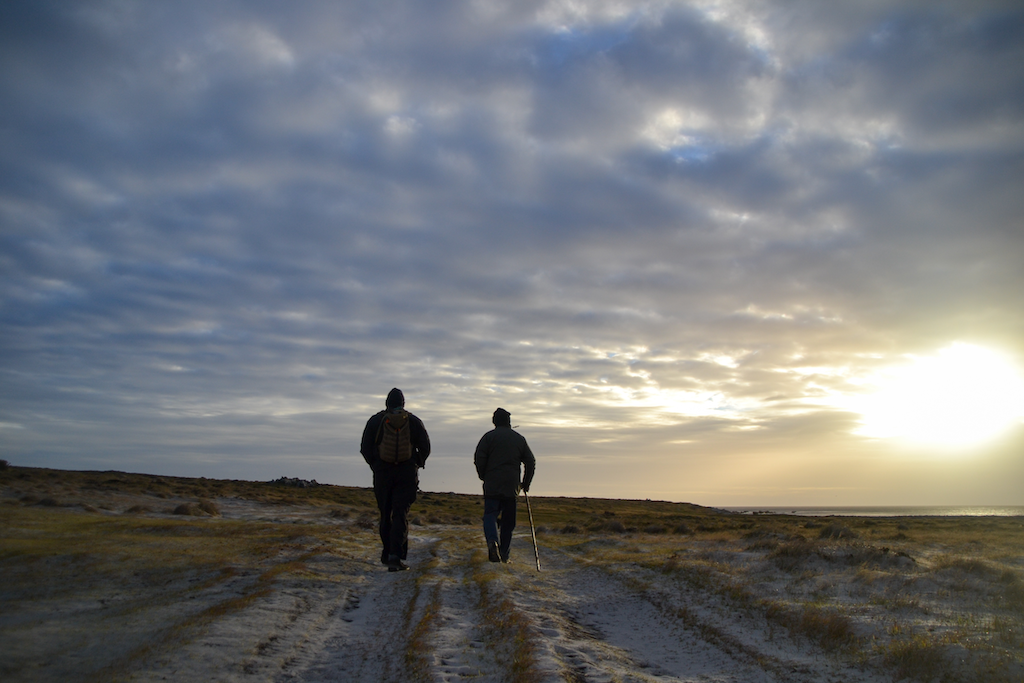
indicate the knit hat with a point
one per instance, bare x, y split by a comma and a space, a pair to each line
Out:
396, 399
502, 418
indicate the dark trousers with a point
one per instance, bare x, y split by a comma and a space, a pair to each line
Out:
500, 512
395, 488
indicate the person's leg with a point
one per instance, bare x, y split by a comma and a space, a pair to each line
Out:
405, 486
508, 524
382, 491
492, 507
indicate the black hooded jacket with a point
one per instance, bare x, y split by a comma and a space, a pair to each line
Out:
417, 433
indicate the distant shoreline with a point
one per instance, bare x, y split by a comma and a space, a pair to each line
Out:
889, 511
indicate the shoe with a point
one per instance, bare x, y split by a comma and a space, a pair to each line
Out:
507, 560
395, 564
492, 552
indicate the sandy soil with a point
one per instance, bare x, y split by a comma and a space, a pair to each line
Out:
320, 607
585, 625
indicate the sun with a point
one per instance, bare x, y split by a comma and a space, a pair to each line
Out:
962, 396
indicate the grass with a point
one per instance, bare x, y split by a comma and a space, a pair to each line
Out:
921, 598
54, 559
507, 631
417, 652
942, 601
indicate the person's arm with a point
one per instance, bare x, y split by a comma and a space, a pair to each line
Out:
368, 445
530, 463
480, 457
420, 441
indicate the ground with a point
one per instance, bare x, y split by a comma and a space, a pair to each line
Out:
103, 581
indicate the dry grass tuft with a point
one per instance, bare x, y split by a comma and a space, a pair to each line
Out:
837, 532
209, 507
794, 555
418, 655
917, 658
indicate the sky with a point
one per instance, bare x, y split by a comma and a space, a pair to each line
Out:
729, 253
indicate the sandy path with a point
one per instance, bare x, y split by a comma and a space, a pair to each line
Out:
366, 625
633, 625
599, 629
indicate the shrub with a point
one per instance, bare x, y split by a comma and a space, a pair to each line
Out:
916, 657
570, 529
969, 565
655, 529
683, 529
837, 531
791, 556
209, 507
830, 629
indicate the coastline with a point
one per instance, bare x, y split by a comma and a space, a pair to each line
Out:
887, 511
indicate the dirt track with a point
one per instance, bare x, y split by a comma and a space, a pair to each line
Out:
456, 617
106, 581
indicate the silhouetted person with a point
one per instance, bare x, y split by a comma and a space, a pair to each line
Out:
498, 457
395, 445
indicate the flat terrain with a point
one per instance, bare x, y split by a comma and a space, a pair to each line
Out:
114, 576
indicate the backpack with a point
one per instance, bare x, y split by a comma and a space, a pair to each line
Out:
394, 440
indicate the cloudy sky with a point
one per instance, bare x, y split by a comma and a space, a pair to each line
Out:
726, 252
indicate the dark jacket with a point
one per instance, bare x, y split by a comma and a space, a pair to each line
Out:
417, 433
497, 459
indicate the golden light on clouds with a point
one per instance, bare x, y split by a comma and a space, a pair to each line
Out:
961, 396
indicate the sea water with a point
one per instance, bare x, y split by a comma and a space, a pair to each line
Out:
892, 511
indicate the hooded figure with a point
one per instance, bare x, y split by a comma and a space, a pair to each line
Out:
395, 445
498, 458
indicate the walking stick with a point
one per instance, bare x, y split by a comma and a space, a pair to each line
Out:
533, 532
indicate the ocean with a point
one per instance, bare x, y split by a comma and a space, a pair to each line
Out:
892, 511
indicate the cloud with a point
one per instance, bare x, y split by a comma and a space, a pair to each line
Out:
657, 231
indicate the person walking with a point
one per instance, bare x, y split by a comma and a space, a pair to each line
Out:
498, 458
395, 445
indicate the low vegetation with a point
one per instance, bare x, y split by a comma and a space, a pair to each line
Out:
922, 598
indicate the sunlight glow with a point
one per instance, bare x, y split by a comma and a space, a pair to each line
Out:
963, 395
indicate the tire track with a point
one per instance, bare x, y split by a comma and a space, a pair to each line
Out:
458, 647
367, 641
596, 628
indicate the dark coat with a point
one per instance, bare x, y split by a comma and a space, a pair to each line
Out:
498, 456
417, 433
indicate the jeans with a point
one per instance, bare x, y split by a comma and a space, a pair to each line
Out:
500, 512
